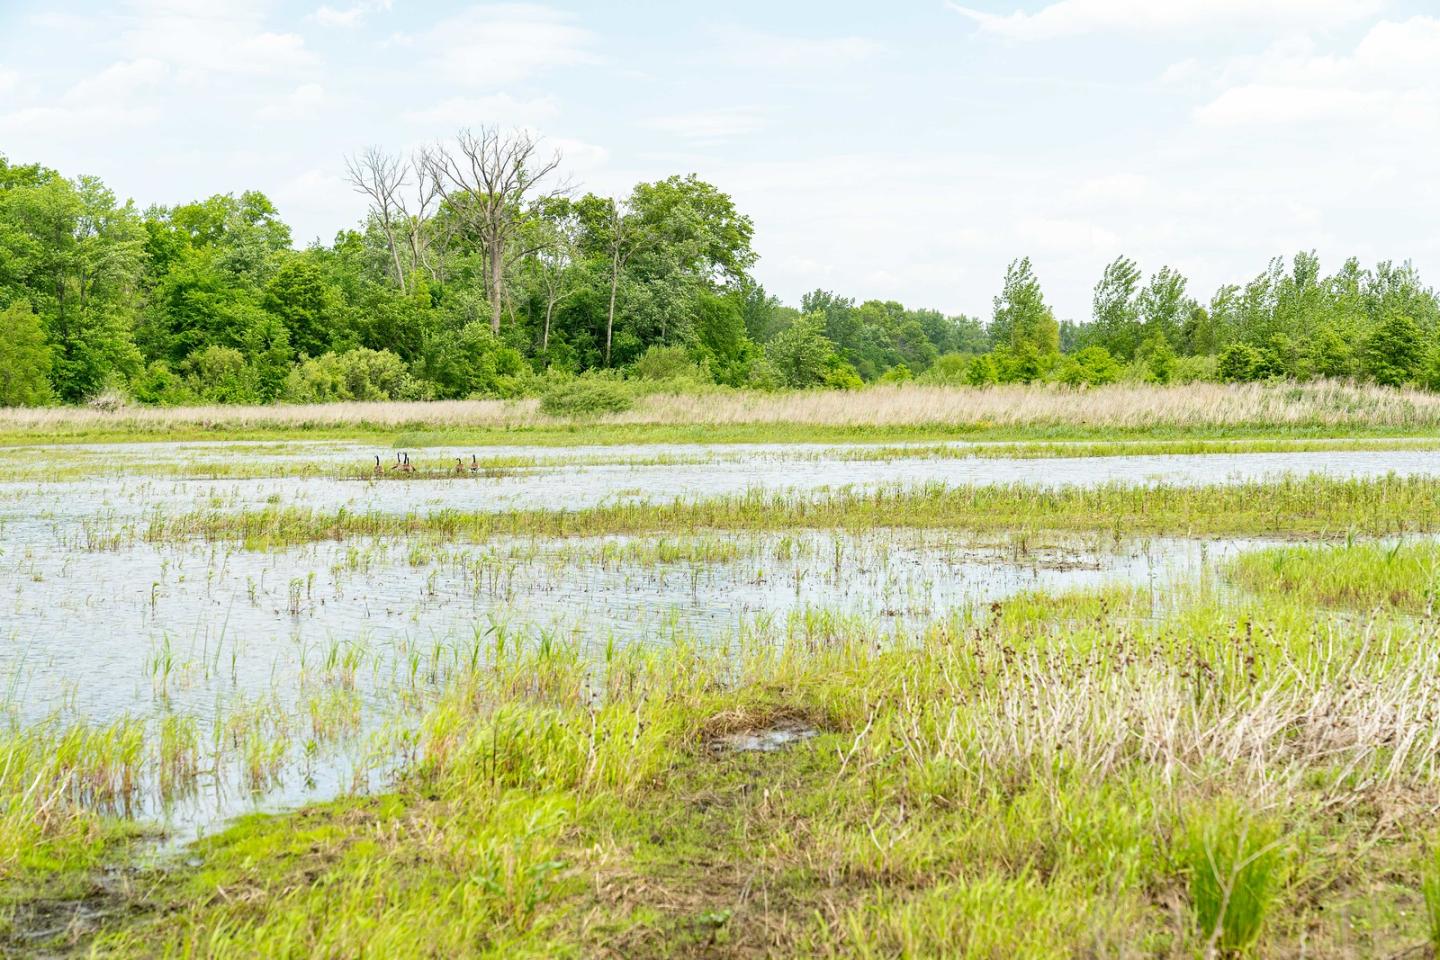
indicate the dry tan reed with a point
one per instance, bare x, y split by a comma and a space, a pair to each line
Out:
1322, 403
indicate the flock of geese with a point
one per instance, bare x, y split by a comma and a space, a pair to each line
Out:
403, 465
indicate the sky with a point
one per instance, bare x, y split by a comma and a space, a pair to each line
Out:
905, 150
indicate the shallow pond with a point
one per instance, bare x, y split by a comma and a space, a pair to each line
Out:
290, 669
579, 477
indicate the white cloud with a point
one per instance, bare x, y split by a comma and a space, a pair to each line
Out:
499, 109
710, 125
9, 81
120, 81
579, 156
301, 102
346, 17
487, 46
113, 99
1069, 17
753, 48
1387, 84
205, 37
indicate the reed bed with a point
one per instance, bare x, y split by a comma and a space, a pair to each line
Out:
1322, 404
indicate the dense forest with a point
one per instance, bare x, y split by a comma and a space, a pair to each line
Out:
479, 273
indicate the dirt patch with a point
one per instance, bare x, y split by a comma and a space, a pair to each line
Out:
57, 926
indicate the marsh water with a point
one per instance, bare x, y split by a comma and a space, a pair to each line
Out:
310, 663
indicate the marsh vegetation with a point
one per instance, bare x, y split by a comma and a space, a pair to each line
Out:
1159, 700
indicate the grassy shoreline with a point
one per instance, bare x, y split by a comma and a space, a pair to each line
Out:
1061, 776
877, 414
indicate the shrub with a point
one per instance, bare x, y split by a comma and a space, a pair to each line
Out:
949, 369
159, 385
1159, 359
220, 375
1240, 363
586, 396
661, 363
801, 353
843, 376
982, 371
899, 373
1093, 366
356, 375
472, 362
1195, 369
1394, 352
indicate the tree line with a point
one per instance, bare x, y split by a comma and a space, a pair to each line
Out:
478, 272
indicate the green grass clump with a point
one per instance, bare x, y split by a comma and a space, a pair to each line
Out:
1234, 867
1403, 576
1430, 891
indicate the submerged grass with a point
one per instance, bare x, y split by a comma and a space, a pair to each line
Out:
275, 461
1314, 505
1057, 777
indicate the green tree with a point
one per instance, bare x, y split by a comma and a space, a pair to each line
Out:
1158, 358
801, 354
1021, 316
1395, 350
24, 359
301, 297
1116, 315
1164, 307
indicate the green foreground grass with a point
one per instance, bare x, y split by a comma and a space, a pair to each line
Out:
1314, 506
1056, 777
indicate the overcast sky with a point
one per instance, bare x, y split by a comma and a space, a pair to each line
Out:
902, 150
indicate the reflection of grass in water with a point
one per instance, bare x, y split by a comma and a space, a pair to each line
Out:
1045, 780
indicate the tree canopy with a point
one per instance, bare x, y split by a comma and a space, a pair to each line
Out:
461, 283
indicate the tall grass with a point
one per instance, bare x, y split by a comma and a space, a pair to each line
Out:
1119, 406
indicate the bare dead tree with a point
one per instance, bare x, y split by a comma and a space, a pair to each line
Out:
486, 179
419, 223
381, 177
403, 217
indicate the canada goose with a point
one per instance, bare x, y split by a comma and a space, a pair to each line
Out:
405, 465
459, 467
378, 469
474, 464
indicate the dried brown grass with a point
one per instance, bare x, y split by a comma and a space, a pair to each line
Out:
1133, 406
